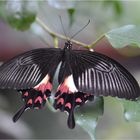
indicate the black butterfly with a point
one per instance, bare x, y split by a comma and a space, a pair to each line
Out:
82, 75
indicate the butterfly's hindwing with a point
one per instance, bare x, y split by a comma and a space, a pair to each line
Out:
35, 97
68, 97
100, 75
28, 69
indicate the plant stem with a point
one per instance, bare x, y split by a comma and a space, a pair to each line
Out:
55, 40
53, 34
56, 35
48, 30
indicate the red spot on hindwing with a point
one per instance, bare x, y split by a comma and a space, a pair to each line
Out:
44, 87
49, 86
30, 101
63, 89
44, 97
68, 86
26, 94
60, 101
78, 100
68, 105
38, 99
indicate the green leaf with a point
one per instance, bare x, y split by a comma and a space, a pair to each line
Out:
132, 110
118, 7
20, 14
87, 116
2, 8
116, 4
23, 23
126, 35
71, 12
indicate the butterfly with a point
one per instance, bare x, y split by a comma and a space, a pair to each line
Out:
83, 74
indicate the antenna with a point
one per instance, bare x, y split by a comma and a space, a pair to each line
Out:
63, 27
80, 30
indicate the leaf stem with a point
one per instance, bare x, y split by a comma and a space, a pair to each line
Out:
50, 105
96, 41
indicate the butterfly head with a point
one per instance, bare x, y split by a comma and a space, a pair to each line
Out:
68, 45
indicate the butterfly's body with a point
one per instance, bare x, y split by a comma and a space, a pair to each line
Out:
82, 75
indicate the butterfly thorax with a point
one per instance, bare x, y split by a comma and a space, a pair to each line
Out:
68, 45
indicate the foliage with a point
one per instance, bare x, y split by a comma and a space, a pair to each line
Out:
126, 35
19, 14
132, 110
116, 4
87, 116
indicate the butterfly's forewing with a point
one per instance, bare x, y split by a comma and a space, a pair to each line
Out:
28, 69
100, 75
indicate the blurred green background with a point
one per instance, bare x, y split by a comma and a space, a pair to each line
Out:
104, 16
